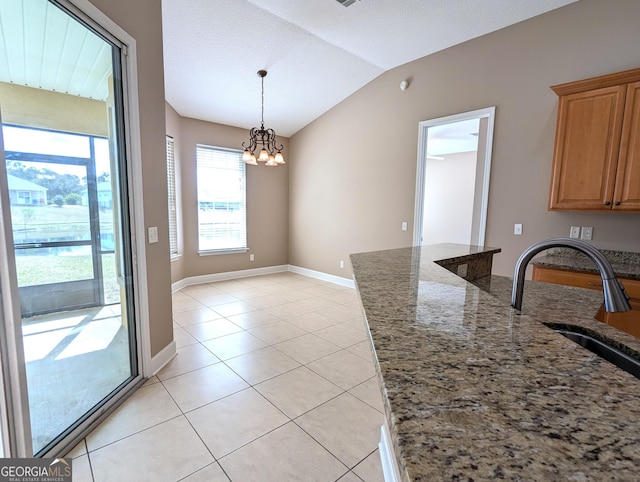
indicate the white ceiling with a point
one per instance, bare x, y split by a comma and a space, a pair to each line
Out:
317, 52
461, 136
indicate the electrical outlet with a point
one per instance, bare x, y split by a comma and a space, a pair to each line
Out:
575, 232
342, 264
404, 225
587, 233
517, 229
252, 257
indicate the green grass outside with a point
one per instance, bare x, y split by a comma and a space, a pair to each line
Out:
39, 270
32, 223
38, 223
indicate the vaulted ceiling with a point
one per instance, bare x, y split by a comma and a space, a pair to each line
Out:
316, 52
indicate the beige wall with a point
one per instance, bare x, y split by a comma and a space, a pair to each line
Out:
142, 20
267, 202
26, 106
352, 178
449, 197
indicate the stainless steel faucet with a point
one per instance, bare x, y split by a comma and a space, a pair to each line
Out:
615, 298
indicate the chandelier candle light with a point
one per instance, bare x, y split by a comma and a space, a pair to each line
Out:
263, 137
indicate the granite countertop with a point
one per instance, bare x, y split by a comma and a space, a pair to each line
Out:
625, 264
476, 390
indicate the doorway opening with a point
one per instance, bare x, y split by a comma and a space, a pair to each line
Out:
452, 182
70, 342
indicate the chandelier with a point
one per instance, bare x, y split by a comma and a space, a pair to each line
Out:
266, 138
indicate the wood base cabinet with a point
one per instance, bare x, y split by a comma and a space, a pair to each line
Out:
596, 159
628, 321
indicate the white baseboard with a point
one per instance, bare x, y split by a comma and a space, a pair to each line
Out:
245, 273
211, 278
160, 360
349, 283
387, 456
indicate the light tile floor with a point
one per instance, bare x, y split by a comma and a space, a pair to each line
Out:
273, 381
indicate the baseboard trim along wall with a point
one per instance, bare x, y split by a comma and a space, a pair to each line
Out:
158, 361
211, 278
349, 283
245, 273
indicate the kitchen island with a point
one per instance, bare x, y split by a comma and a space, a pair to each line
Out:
476, 390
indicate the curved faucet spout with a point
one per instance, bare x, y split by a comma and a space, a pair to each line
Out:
615, 298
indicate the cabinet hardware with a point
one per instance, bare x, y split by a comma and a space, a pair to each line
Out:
591, 283
617, 203
607, 203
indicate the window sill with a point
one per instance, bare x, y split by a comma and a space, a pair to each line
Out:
222, 251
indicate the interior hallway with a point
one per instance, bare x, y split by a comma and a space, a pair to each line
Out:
273, 381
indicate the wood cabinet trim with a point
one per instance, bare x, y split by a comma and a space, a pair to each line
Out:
582, 280
628, 321
609, 80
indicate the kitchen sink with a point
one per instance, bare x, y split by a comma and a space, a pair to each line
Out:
603, 349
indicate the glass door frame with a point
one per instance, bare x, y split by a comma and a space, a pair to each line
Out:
16, 431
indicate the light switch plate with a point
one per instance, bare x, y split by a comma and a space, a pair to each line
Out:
517, 229
153, 234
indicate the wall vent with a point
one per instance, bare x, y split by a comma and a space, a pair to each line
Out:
346, 3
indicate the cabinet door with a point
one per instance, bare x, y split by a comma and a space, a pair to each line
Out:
627, 192
586, 149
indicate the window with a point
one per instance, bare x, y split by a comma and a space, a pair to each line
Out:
171, 194
221, 186
24, 197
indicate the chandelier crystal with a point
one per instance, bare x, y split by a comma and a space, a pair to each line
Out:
268, 153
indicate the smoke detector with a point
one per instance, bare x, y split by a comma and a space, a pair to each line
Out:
346, 3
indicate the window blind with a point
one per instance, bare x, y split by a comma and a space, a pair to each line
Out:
221, 186
171, 194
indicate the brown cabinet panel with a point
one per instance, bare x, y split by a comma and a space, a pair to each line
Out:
586, 153
627, 190
628, 321
567, 278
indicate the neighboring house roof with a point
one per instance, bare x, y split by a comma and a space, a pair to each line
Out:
19, 184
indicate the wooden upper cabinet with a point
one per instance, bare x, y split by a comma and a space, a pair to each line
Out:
596, 164
627, 191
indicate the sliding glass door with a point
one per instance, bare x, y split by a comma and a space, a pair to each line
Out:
68, 230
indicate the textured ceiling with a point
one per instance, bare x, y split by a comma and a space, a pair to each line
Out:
317, 52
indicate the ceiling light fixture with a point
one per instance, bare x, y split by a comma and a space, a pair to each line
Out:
265, 137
